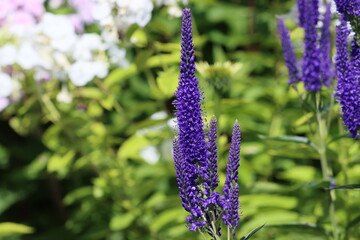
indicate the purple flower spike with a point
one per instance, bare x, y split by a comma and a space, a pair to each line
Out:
348, 79
348, 7
212, 148
231, 188
311, 61
191, 137
325, 48
288, 49
301, 12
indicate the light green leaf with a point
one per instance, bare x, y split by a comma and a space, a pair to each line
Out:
10, 228
167, 81
119, 75
119, 222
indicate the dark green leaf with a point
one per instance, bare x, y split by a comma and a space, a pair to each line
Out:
248, 236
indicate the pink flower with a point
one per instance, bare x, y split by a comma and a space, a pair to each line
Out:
20, 12
4, 102
22, 18
35, 7
6, 6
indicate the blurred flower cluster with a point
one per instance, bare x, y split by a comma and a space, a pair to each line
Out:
50, 40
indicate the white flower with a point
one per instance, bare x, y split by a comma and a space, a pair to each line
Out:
28, 57
174, 11
60, 30
64, 95
86, 44
6, 85
150, 154
100, 69
7, 55
134, 11
159, 115
102, 10
117, 56
81, 72
56, 3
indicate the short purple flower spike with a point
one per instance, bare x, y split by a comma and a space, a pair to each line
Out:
288, 50
231, 188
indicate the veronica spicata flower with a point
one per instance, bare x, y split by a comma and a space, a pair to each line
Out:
195, 153
316, 62
348, 73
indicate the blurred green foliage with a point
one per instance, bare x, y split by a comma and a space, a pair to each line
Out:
76, 171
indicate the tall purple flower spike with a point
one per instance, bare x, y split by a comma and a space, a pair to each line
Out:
191, 137
196, 156
311, 61
288, 50
325, 48
231, 189
348, 71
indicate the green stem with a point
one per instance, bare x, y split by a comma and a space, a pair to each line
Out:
326, 171
202, 234
229, 233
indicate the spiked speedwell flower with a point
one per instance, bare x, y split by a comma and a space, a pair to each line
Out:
195, 153
316, 63
348, 83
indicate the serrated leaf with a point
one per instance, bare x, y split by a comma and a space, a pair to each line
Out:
317, 184
347, 187
295, 139
248, 236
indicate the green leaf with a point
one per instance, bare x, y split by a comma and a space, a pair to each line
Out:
295, 139
299, 174
119, 222
317, 185
167, 81
175, 215
10, 228
8, 198
248, 236
119, 75
348, 187
303, 229
160, 60
90, 92
353, 222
